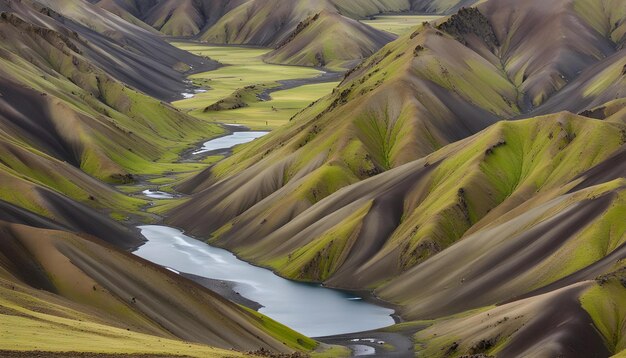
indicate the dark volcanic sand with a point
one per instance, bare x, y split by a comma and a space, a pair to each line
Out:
225, 289
401, 342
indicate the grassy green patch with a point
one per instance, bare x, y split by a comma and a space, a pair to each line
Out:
399, 24
29, 323
283, 333
244, 67
606, 305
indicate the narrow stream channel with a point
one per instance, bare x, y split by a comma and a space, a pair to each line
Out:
308, 308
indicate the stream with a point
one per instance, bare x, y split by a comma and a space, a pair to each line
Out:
311, 309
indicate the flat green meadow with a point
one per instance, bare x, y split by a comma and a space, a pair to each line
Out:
242, 67
399, 24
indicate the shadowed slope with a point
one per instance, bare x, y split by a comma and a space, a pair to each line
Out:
129, 53
128, 292
553, 324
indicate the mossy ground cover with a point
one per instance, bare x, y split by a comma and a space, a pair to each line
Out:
243, 66
276, 112
606, 305
25, 317
399, 24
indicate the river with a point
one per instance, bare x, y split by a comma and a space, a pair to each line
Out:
311, 309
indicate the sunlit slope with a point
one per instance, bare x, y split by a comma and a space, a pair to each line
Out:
373, 230
65, 119
329, 40
440, 84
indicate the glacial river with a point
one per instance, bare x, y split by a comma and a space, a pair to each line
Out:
308, 308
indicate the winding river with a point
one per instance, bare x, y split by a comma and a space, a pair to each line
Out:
308, 308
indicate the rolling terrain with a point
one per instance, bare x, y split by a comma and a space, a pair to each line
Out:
309, 44
406, 180
470, 173
288, 27
81, 108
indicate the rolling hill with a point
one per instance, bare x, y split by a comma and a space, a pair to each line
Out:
289, 27
472, 173
311, 45
76, 115
407, 180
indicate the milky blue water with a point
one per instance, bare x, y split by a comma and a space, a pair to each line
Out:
310, 309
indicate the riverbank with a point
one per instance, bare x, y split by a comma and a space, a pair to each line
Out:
377, 341
310, 309
393, 342
225, 289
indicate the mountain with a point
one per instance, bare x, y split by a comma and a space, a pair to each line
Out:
292, 28
428, 89
193, 17
329, 40
76, 115
173, 17
91, 281
150, 64
464, 165
374, 230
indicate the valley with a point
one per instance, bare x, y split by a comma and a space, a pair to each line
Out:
254, 90
262, 178
399, 24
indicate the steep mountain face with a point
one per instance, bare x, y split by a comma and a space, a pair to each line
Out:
461, 211
150, 64
64, 104
329, 40
430, 88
